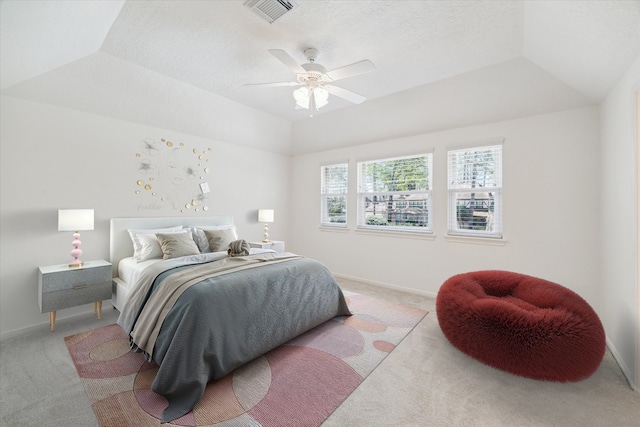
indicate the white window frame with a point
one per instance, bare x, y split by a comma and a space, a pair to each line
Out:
487, 210
328, 191
364, 194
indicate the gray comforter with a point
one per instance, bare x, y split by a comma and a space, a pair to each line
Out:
227, 319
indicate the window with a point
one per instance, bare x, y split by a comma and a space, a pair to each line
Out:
395, 194
475, 191
333, 194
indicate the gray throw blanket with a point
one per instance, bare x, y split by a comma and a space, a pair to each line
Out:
239, 248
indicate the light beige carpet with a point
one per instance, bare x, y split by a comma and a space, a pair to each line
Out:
423, 382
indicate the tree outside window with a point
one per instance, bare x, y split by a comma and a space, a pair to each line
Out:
395, 193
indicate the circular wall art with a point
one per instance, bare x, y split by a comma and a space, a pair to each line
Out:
172, 175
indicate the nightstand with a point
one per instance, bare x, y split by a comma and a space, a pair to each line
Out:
276, 245
60, 286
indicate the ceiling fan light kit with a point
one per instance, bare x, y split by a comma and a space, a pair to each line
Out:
311, 98
315, 79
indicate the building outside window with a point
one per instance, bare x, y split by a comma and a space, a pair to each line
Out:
395, 193
475, 191
333, 194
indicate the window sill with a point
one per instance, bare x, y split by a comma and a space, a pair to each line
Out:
397, 233
476, 240
334, 228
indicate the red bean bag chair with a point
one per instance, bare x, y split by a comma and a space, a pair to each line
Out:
521, 324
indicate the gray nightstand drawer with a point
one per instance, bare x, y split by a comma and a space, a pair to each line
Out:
62, 287
68, 279
81, 294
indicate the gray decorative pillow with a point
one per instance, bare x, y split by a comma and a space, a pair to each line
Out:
202, 241
219, 239
177, 244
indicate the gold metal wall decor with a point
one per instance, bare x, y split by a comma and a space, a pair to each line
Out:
172, 175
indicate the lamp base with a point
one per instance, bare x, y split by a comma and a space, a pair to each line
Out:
76, 252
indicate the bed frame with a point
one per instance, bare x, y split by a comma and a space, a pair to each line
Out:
121, 246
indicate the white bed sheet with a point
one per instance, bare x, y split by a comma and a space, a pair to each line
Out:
129, 269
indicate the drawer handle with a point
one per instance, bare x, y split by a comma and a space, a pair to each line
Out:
80, 287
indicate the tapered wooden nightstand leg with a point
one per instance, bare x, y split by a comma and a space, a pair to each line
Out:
98, 309
52, 320
95, 308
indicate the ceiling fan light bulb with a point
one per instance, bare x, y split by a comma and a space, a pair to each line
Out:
321, 97
301, 95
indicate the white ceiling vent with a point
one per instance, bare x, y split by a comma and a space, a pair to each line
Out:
270, 9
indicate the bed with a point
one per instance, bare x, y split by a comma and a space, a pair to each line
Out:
201, 315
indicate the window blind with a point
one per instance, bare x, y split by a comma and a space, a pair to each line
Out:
333, 194
475, 191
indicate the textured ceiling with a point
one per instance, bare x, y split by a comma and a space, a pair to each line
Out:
213, 48
220, 46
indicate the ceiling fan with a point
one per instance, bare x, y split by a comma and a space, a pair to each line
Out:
316, 81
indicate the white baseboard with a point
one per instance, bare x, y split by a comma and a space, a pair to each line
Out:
386, 285
27, 330
23, 331
623, 367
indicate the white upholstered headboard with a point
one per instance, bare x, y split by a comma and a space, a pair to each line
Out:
121, 246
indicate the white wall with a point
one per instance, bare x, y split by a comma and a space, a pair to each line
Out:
619, 222
550, 167
54, 157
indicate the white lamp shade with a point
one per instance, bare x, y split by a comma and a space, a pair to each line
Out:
75, 219
265, 215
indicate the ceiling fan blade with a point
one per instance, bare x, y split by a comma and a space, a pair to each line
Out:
278, 84
287, 60
351, 70
345, 94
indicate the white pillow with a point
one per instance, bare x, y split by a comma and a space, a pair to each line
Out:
148, 248
203, 242
137, 246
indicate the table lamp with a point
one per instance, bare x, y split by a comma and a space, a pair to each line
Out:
266, 216
75, 220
